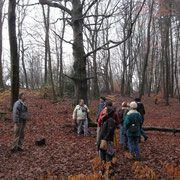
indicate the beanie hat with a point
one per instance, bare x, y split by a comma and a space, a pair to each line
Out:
133, 105
103, 98
137, 99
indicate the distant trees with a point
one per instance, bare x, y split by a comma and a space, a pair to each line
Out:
121, 46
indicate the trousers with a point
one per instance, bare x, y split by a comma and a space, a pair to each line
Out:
19, 129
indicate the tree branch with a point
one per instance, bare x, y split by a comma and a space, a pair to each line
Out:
117, 43
90, 6
56, 5
69, 42
76, 79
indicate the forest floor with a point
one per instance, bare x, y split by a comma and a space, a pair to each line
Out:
66, 155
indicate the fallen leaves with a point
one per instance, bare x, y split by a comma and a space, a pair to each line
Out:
143, 172
172, 170
67, 155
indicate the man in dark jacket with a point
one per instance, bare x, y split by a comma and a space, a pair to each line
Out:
99, 110
141, 110
20, 116
101, 105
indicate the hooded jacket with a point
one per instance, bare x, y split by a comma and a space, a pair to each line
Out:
133, 117
107, 127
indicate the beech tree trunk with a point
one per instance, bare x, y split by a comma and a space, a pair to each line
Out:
13, 52
80, 79
1, 25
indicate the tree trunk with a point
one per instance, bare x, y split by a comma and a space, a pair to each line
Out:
111, 78
124, 68
80, 79
141, 93
49, 56
162, 129
61, 79
151, 67
23, 64
96, 93
46, 49
21, 17
13, 52
176, 64
167, 63
1, 25
172, 65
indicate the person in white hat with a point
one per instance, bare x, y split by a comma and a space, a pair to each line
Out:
133, 123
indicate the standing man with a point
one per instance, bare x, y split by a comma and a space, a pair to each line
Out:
80, 114
102, 102
20, 116
141, 110
101, 105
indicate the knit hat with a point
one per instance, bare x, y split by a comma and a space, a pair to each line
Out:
103, 98
137, 99
133, 105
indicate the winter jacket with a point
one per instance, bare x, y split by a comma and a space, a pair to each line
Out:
122, 114
115, 117
20, 111
80, 112
140, 108
100, 108
107, 127
133, 117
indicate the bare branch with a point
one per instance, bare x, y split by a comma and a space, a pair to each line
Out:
76, 79
117, 43
90, 6
28, 4
69, 42
56, 5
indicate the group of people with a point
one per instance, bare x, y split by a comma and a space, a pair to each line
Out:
129, 119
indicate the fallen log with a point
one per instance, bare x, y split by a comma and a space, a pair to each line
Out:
162, 129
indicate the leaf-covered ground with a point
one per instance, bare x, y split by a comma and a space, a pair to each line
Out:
65, 154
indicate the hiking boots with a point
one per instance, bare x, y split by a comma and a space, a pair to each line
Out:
14, 150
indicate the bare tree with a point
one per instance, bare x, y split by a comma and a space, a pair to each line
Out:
77, 16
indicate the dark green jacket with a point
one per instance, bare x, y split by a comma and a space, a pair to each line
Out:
133, 117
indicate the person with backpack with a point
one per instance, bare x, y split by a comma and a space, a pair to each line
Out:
141, 110
80, 116
103, 113
20, 117
122, 114
133, 123
106, 138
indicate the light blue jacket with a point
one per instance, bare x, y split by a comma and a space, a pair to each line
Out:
133, 117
